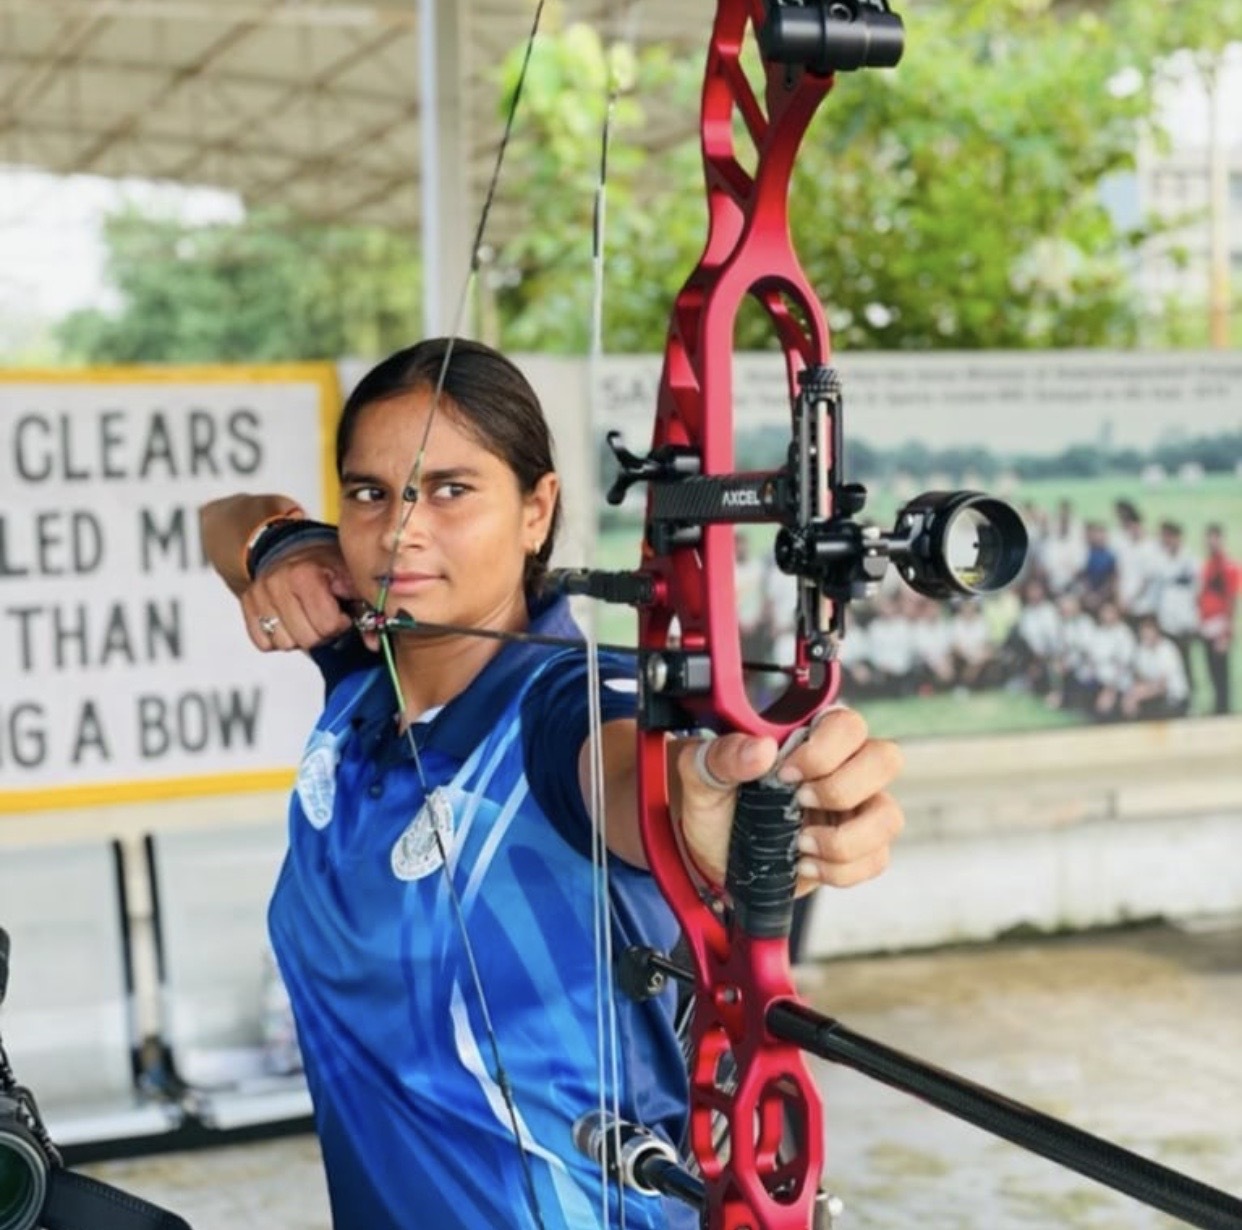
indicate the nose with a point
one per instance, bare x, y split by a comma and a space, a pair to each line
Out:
405, 524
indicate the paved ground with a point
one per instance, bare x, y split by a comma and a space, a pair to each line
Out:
1136, 1036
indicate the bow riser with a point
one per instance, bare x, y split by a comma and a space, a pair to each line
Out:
738, 975
748, 252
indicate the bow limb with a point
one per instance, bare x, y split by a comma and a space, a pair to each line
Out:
691, 665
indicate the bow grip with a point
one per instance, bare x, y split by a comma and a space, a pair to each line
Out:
763, 859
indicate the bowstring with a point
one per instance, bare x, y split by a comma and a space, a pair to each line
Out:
409, 498
608, 1044
413, 483
500, 1073
607, 1025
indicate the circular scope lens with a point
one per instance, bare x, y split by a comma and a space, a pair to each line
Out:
984, 544
975, 552
23, 1179
961, 542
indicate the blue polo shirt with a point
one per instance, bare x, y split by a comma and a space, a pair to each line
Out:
392, 1026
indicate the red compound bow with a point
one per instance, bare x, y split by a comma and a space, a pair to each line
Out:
755, 1114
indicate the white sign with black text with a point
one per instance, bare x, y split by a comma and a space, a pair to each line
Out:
125, 671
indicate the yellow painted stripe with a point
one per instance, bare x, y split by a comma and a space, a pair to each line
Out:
190, 373
330, 405
106, 794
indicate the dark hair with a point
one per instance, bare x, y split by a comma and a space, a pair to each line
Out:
488, 395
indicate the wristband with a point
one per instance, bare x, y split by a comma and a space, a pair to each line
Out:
255, 537
283, 535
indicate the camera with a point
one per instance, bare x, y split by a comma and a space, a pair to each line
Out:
23, 1169
36, 1190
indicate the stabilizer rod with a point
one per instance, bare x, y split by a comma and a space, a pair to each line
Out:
1195, 1203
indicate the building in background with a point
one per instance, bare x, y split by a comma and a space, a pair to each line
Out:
1193, 185
1176, 185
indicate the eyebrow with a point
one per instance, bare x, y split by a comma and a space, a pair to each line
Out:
428, 476
450, 473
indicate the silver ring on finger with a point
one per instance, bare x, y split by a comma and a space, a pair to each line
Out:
268, 624
706, 776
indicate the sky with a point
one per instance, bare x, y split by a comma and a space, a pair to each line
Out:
51, 255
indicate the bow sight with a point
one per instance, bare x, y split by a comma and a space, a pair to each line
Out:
944, 543
35, 1188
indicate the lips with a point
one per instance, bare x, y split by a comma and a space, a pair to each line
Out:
408, 582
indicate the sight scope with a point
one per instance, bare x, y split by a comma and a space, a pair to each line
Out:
958, 542
944, 544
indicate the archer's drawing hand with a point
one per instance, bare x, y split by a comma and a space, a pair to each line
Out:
850, 821
295, 603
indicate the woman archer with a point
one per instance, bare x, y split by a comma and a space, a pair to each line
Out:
433, 918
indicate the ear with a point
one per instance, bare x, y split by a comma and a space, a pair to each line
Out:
539, 505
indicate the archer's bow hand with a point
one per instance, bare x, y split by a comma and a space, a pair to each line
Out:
294, 601
850, 821
302, 592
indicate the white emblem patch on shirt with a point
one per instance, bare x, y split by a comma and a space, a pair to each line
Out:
417, 852
316, 786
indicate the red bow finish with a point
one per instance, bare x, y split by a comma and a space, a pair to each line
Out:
756, 1122
691, 660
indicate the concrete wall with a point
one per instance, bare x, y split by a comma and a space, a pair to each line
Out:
1056, 831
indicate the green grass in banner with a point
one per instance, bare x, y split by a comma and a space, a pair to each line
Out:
1216, 498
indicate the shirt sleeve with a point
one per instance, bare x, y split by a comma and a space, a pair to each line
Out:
556, 723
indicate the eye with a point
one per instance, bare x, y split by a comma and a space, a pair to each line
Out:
449, 491
365, 494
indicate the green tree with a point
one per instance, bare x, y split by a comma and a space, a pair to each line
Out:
959, 196
953, 203
266, 288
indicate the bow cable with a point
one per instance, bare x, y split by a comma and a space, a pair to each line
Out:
607, 1026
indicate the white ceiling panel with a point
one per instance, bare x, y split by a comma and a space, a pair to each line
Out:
308, 103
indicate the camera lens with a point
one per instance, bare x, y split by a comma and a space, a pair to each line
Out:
23, 1174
